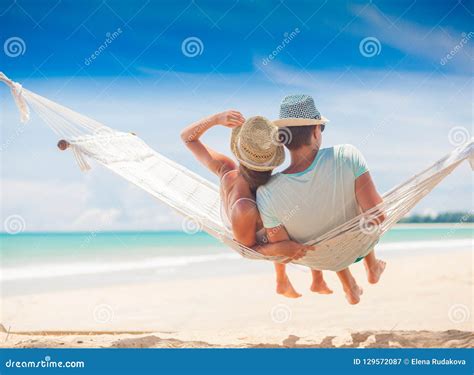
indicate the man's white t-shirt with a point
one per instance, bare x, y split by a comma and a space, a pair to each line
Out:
310, 203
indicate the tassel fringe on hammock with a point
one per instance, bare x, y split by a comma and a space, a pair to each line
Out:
198, 199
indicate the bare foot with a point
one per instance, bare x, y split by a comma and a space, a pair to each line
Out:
374, 272
286, 289
320, 287
353, 294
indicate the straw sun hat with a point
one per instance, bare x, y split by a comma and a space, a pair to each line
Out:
255, 144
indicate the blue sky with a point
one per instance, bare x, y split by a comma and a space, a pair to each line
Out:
397, 103
236, 32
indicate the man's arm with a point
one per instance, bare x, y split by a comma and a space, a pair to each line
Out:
368, 197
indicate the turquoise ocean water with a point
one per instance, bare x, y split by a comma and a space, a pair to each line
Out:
32, 261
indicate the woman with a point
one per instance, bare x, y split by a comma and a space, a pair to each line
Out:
258, 155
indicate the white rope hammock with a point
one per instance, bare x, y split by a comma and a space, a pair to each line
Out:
196, 198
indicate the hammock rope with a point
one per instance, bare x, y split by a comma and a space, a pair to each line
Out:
198, 199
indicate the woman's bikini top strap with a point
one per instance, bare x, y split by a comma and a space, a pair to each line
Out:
243, 199
226, 173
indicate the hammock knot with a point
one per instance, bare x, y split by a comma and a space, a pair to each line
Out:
17, 93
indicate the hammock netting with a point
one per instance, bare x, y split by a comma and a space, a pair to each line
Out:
199, 200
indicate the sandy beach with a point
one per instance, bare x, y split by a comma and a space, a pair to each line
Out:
423, 300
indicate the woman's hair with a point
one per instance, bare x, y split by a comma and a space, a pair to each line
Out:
254, 178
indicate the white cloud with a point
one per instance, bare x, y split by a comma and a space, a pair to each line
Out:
43, 204
432, 43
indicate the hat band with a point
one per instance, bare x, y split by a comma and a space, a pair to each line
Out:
244, 152
298, 121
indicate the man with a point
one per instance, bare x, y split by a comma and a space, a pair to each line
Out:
321, 189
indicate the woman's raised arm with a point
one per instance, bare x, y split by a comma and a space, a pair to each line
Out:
213, 160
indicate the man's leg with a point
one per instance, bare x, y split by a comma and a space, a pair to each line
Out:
319, 285
374, 267
284, 286
352, 290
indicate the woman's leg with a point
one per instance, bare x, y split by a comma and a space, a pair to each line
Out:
319, 285
352, 290
374, 267
284, 286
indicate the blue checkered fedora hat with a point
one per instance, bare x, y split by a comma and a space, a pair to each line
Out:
299, 110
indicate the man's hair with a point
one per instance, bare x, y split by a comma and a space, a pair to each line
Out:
295, 137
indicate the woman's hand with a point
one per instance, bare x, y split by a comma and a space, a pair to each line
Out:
289, 250
230, 119
295, 251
